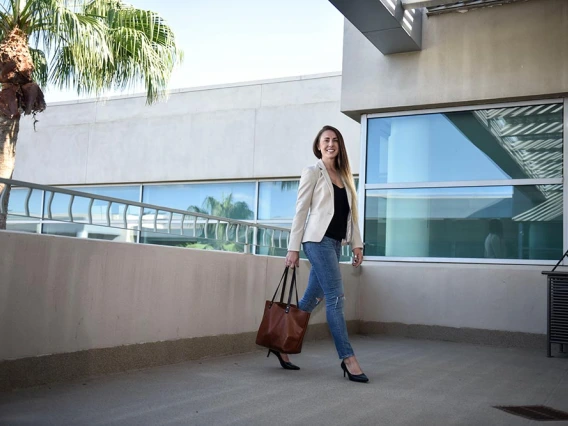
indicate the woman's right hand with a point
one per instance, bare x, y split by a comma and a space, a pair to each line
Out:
292, 259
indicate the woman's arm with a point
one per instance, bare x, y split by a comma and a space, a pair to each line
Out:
305, 191
357, 245
356, 240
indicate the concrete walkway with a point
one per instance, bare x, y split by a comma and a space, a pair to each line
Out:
413, 382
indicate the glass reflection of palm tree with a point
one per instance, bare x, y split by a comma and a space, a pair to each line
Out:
289, 185
222, 208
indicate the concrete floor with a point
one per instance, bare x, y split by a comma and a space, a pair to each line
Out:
413, 382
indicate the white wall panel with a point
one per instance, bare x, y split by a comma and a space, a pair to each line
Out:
243, 131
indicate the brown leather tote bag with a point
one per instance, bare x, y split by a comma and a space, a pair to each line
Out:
283, 325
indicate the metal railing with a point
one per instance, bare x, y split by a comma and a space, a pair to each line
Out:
143, 217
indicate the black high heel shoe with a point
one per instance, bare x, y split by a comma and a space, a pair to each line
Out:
285, 365
360, 378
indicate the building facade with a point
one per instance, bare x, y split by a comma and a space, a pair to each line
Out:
455, 126
462, 108
234, 151
464, 135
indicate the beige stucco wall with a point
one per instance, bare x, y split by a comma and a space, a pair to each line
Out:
511, 52
61, 294
509, 298
236, 131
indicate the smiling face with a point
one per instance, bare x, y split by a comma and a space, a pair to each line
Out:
328, 145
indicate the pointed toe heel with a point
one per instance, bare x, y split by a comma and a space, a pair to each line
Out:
359, 378
285, 365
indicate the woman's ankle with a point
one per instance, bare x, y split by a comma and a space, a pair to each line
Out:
350, 360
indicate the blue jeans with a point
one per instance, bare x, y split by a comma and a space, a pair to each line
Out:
325, 281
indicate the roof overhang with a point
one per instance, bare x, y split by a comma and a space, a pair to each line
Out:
390, 27
395, 26
437, 7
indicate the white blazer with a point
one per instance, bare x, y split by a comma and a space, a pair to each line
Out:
315, 195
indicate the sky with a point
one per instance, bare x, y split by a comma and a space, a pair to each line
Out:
229, 41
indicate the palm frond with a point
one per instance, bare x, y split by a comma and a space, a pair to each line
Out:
95, 45
6, 17
56, 24
143, 47
41, 69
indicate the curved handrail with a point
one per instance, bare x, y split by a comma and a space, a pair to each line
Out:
144, 208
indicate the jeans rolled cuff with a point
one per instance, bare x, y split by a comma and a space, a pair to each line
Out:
346, 356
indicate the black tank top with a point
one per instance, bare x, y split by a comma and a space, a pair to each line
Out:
338, 227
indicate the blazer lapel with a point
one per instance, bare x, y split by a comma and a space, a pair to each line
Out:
325, 175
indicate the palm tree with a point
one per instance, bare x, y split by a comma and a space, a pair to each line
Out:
224, 208
89, 45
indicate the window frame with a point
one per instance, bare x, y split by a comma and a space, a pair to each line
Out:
362, 190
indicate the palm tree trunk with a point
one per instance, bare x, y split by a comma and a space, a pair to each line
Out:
9, 128
19, 94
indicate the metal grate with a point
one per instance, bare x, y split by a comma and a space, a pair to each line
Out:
558, 309
534, 412
465, 5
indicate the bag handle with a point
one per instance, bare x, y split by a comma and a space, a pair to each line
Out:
293, 285
283, 279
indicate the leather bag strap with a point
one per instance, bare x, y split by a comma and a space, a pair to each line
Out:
283, 279
293, 285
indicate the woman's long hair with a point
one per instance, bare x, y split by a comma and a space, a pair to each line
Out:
341, 164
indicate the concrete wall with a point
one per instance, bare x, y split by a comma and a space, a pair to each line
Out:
511, 52
252, 130
511, 298
61, 295
73, 308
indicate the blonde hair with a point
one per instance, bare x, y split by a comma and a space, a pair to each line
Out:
341, 164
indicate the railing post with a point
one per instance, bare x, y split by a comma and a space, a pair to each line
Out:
247, 245
27, 202
254, 239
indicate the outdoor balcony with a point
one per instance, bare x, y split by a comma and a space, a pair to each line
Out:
413, 382
178, 325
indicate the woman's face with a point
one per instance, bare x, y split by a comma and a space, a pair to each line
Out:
328, 145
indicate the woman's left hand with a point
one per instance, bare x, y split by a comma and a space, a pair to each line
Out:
357, 257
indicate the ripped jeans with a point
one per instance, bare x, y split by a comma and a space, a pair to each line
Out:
325, 282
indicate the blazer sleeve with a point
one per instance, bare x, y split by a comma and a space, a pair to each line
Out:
305, 192
356, 240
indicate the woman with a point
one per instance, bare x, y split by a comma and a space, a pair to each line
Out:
327, 192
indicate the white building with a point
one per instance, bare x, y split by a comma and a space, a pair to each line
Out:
249, 141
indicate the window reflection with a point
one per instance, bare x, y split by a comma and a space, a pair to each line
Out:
64, 207
15, 223
213, 239
89, 231
19, 200
512, 222
502, 143
232, 200
60, 208
229, 200
277, 200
